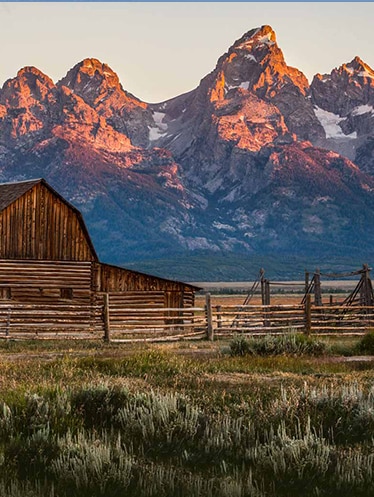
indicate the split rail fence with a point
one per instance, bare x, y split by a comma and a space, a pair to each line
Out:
115, 321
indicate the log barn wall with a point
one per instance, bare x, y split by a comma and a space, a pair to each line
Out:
50, 275
137, 288
40, 225
45, 281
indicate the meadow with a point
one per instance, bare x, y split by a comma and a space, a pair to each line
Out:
225, 419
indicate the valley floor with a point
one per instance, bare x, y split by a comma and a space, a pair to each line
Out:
188, 419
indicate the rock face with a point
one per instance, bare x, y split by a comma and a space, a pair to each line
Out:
123, 190
245, 163
100, 88
344, 104
251, 99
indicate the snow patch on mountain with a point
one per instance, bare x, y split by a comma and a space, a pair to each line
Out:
365, 74
330, 123
250, 57
221, 226
160, 128
244, 85
266, 40
363, 109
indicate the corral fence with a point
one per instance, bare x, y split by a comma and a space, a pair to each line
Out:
115, 321
210, 321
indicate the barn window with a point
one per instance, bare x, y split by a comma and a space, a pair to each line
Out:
5, 293
66, 293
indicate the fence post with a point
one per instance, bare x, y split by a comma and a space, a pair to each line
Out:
7, 326
308, 313
263, 297
219, 316
317, 288
106, 318
267, 292
306, 282
209, 318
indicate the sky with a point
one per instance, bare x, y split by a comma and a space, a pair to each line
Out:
160, 50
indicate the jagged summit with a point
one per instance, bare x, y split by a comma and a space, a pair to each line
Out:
353, 69
90, 79
343, 90
99, 86
90, 70
32, 70
250, 99
359, 65
256, 63
30, 81
256, 38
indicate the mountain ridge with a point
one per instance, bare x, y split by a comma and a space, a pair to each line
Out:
254, 160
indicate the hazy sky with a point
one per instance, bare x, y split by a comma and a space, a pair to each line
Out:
160, 50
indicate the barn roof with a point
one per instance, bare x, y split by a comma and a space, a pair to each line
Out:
166, 280
10, 192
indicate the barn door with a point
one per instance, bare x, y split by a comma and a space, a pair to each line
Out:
174, 299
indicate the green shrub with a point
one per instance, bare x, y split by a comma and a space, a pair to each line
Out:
289, 344
90, 466
30, 456
240, 346
98, 405
366, 344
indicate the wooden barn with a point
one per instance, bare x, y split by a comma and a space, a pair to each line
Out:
48, 259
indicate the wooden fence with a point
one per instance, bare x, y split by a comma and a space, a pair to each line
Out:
57, 320
116, 320
136, 323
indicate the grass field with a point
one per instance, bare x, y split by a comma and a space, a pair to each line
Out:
189, 419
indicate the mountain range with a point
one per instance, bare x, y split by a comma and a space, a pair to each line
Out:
253, 162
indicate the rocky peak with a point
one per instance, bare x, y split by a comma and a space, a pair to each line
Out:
258, 39
358, 65
92, 80
347, 87
96, 82
255, 62
24, 104
99, 86
28, 86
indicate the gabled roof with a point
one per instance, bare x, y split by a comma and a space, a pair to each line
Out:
10, 192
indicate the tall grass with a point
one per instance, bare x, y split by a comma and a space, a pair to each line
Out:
106, 440
292, 343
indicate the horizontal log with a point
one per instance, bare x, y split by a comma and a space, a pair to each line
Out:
341, 328
346, 333
155, 325
342, 322
52, 336
217, 331
132, 292
154, 333
43, 262
268, 318
160, 339
154, 316
8, 304
341, 307
158, 309
252, 333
